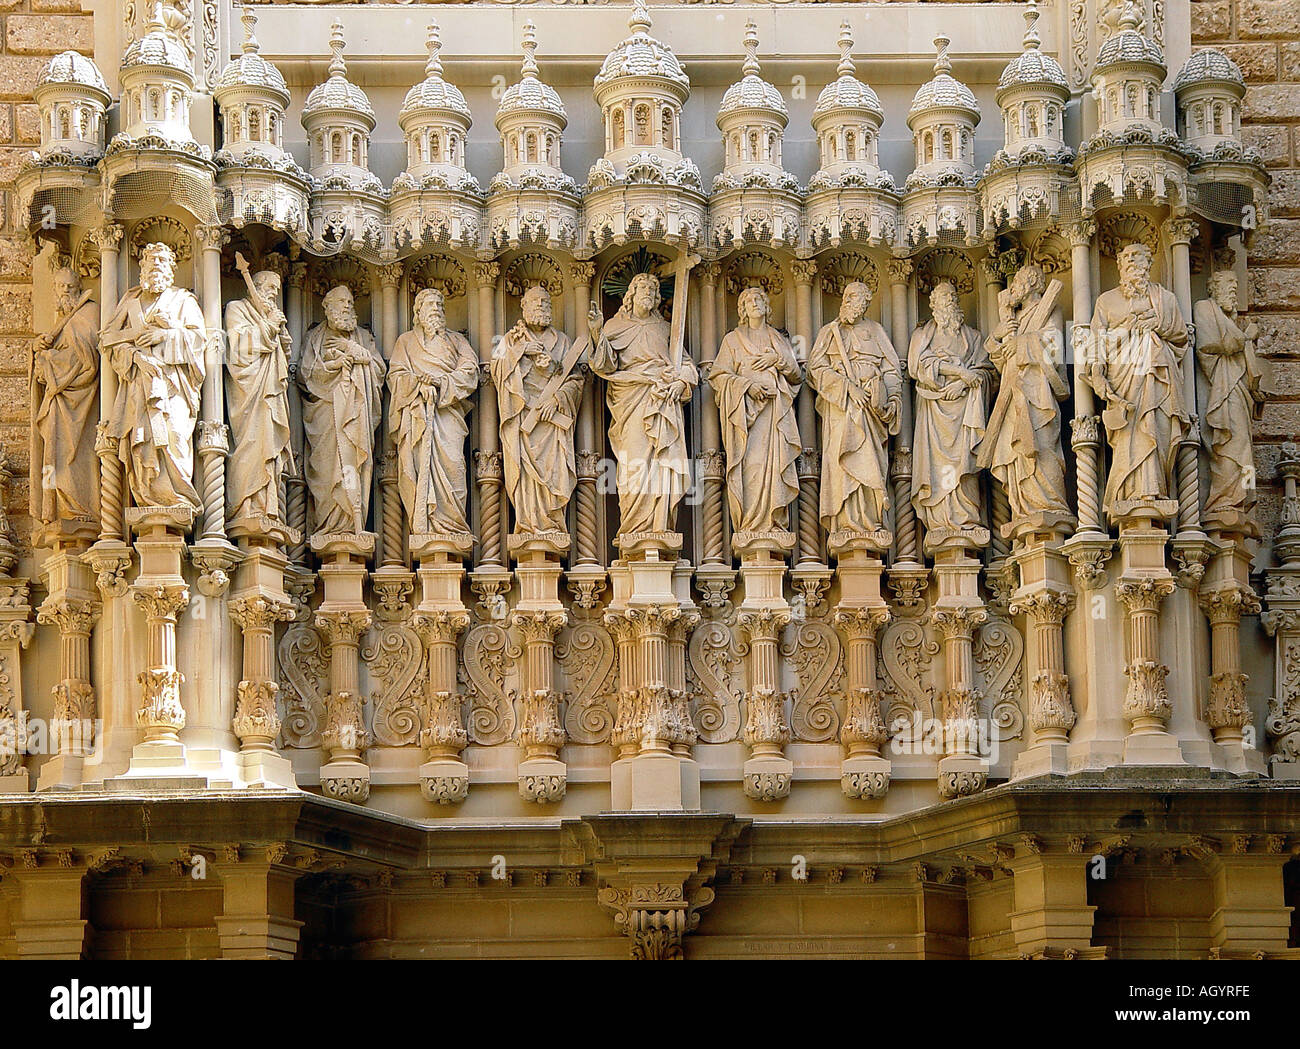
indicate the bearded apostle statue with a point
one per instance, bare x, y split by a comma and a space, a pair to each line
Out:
854, 369
155, 342
539, 375
1234, 398
755, 379
647, 384
431, 378
257, 400
1136, 366
952, 373
1022, 444
341, 375
65, 371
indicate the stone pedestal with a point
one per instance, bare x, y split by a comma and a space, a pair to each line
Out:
439, 619
957, 613
73, 606
763, 616
654, 770
258, 602
859, 615
161, 760
537, 618
1144, 582
1045, 597
342, 618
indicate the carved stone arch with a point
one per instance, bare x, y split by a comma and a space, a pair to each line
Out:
162, 230
945, 264
838, 270
1050, 252
345, 270
530, 270
1122, 228
750, 269
438, 271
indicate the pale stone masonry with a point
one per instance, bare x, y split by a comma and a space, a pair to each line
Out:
551, 479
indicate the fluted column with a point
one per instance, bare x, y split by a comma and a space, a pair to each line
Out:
161, 714
112, 491
1085, 428
392, 531
213, 436
343, 734
767, 773
1146, 699
905, 523
444, 778
487, 457
256, 722
297, 482
1051, 714
1229, 713
714, 576
865, 773
1180, 233
960, 700
74, 614
542, 776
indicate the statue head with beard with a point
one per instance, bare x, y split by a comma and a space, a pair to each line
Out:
157, 268
340, 310
536, 308
1028, 284
1135, 270
945, 307
642, 296
67, 290
1225, 291
856, 302
431, 312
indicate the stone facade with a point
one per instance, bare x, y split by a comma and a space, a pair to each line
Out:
522, 523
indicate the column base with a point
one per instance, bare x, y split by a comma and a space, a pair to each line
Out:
865, 778
767, 777
542, 780
18, 783
1284, 771
62, 772
655, 782
164, 765
346, 781
1241, 760
1095, 755
444, 780
264, 768
1153, 748
1042, 759
962, 774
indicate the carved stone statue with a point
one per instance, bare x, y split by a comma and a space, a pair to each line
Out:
646, 389
1136, 365
65, 368
952, 372
341, 376
154, 342
431, 378
854, 369
257, 400
755, 379
1022, 446
1233, 399
538, 374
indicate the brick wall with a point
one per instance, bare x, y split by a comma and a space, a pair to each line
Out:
1263, 37
33, 30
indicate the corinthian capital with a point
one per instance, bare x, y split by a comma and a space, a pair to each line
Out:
486, 274
108, 237
958, 622
763, 624
161, 600
344, 626
899, 270
442, 625
804, 270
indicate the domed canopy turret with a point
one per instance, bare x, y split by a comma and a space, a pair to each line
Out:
435, 120
338, 119
1032, 94
72, 98
1209, 89
1128, 46
847, 118
337, 94
531, 117
157, 82
253, 98
1127, 79
752, 118
943, 118
643, 58
943, 91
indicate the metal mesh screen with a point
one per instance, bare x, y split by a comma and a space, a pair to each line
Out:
148, 192
68, 206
